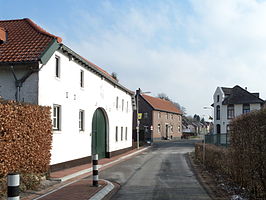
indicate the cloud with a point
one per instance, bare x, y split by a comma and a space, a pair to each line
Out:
184, 50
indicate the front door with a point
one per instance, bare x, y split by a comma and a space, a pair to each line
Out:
99, 134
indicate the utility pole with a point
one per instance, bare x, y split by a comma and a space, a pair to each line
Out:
137, 97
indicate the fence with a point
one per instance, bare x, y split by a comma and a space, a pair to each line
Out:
222, 139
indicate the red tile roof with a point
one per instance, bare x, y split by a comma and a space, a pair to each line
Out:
161, 104
26, 41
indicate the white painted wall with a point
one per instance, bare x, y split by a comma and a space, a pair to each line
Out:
70, 143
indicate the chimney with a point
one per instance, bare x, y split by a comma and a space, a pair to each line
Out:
246, 88
3, 35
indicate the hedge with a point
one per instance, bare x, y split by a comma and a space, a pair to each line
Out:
25, 138
244, 162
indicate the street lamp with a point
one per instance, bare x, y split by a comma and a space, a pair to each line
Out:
138, 92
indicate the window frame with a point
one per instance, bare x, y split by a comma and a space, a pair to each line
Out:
82, 78
122, 133
81, 120
116, 133
57, 67
218, 112
56, 122
230, 111
244, 108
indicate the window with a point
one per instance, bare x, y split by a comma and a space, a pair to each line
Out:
230, 112
57, 66
56, 117
159, 128
179, 130
126, 134
81, 120
127, 106
116, 103
116, 134
145, 116
166, 115
82, 78
218, 112
246, 108
218, 98
159, 115
172, 128
218, 129
172, 117
121, 133
122, 104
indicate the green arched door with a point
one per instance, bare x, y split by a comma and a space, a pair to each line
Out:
99, 133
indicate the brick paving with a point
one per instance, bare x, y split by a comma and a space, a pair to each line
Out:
79, 187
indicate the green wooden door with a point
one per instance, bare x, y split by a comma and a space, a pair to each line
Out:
99, 134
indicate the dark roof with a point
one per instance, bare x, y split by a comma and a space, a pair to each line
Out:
227, 91
26, 41
239, 95
161, 104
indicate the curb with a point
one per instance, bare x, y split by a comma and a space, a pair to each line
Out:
84, 171
103, 192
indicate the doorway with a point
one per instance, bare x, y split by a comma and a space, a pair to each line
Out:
99, 133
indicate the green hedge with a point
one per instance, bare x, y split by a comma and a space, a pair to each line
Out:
25, 138
244, 161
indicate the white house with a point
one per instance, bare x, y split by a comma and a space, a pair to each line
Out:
91, 111
232, 102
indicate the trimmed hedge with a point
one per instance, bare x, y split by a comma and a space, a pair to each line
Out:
25, 138
244, 162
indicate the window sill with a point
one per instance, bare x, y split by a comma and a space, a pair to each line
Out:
57, 131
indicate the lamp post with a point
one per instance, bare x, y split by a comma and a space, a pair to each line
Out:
138, 92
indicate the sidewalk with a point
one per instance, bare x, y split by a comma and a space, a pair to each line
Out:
74, 183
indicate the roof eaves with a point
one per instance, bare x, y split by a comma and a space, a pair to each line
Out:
64, 48
49, 51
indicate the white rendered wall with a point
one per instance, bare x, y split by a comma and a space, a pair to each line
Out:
70, 143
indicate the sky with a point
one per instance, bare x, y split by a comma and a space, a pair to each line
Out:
183, 48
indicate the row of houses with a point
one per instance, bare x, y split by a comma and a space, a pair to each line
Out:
91, 111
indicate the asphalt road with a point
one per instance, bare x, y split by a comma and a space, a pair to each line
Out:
160, 173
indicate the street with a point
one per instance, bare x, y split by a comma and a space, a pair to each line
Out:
160, 173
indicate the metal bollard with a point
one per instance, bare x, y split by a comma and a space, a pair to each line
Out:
95, 170
13, 186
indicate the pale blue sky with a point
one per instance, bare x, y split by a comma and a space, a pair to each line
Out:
184, 48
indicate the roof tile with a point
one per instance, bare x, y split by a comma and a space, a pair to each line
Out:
161, 104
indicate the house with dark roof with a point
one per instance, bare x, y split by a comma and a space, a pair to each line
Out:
91, 111
232, 102
159, 119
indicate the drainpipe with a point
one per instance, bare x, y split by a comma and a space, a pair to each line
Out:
19, 82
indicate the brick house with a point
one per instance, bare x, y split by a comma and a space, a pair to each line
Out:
160, 119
